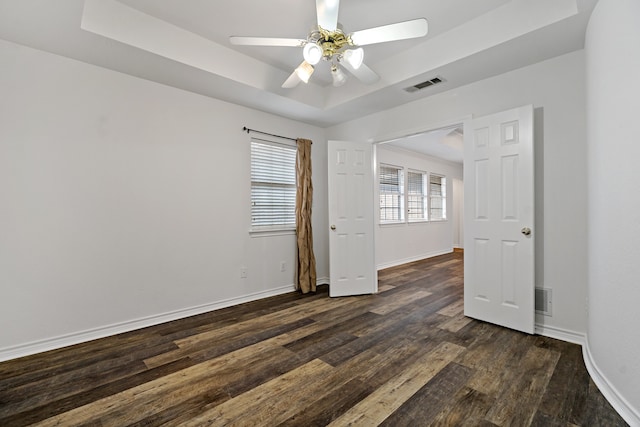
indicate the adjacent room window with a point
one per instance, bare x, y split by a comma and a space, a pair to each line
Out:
391, 193
416, 196
437, 198
273, 185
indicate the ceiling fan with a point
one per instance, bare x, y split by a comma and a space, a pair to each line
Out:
328, 42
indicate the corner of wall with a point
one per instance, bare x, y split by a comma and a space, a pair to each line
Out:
612, 349
608, 390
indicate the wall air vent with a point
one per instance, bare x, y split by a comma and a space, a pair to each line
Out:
543, 301
427, 83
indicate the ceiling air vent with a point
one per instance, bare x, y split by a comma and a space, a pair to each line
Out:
433, 81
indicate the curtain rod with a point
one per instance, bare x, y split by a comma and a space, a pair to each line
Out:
246, 129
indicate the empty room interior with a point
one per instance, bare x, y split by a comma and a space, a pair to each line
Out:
319, 213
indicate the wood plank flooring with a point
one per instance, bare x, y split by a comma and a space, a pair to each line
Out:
404, 357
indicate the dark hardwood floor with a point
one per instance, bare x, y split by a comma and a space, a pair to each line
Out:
404, 357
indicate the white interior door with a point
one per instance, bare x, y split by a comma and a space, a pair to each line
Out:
499, 213
351, 241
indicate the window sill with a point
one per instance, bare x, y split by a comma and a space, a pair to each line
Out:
391, 224
410, 223
272, 231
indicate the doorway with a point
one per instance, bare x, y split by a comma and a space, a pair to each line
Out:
419, 195
499, 211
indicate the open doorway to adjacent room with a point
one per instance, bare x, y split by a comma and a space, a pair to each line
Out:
419, 196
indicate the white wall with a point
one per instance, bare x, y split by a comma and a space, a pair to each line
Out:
126, 202
613, 66
556, 89
406, 242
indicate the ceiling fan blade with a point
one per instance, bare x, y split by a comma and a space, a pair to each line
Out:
363, 73
328, 14
292, 81
265, 41
388, 33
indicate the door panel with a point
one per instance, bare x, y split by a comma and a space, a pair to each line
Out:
499, 194
351, 244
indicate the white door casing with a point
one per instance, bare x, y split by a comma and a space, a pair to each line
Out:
498, 219
351, 219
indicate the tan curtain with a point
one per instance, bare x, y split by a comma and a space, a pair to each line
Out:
306, 271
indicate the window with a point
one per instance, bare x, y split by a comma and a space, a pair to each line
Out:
437, 198
391, 194
273, 185
424, 197
416, 192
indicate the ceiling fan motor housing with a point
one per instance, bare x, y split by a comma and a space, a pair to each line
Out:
331, 42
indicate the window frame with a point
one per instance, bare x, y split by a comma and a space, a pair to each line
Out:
275, 227
428, 196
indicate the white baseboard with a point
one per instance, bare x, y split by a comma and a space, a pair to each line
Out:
322, 281
560, 334
619, 403
413, 259
40, 346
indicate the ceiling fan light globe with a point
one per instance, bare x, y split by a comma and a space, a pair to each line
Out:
354, 57
312, 53
304, 71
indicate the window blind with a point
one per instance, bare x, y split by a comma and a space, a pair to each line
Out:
273, 184
391, 193
437, 198
416, 201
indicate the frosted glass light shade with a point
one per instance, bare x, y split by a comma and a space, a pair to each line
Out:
338, 76
312, 53
304, 71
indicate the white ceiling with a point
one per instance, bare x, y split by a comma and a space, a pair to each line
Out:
284, 18
185, 44
445, 143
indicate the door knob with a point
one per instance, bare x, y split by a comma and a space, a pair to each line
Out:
526, 231
333, 227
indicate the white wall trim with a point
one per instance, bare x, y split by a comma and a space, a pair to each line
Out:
619, 403
413, 259
48, 344
322, 281
560, 334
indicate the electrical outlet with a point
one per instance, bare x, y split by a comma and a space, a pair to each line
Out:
283, 266
243, 272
